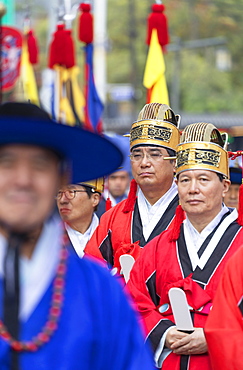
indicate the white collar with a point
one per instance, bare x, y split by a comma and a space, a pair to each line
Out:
151, 214
194, 239
80, 240
199, 237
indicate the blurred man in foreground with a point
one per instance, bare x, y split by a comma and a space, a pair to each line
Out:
57, 311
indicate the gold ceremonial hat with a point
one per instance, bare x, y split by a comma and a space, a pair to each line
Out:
158, 125
202, 147
97, 185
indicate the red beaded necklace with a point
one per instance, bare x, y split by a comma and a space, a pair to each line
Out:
54, 312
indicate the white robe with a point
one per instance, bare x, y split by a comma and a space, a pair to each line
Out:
80, 240
151, 214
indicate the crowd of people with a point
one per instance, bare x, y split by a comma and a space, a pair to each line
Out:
68, 219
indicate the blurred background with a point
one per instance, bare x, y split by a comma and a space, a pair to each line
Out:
203, 58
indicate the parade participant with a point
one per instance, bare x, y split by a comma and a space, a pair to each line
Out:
135, 221
116, 189
117, 183
57, 311
77, 204
192, 255
231, 198
224, 327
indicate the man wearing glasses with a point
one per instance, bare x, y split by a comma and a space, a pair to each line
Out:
152, 200
77, 204
190, 258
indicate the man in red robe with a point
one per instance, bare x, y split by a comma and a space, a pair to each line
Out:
132, 223
224, 327
192, 255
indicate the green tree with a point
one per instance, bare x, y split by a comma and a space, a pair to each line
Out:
203, 88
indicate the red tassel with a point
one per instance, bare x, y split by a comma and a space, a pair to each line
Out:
158, 20
57, 47
32, 47
240, 208
179, 218
108, 204
69, 52
85, 27
129, 204
62, 48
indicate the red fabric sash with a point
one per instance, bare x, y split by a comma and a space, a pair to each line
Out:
126, 248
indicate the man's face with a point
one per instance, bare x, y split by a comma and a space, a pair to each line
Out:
152, 171
80, 208
118, 183
201, 193
29, 177
231, 198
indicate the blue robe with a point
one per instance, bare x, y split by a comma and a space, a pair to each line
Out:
97, 328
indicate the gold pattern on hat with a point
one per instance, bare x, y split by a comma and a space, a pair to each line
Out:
202, 147
157, 124
97, 185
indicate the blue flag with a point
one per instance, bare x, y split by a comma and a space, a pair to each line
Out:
93, 106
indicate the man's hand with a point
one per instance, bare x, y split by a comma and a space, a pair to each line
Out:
188, 344
172, 336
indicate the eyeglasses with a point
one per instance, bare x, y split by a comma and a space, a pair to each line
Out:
151, 156
69, 194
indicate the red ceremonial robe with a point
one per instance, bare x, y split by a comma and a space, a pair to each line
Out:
165, 263
224, 327
120, 232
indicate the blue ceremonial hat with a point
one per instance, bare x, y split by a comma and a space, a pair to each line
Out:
89, 155
235, 171
235, 176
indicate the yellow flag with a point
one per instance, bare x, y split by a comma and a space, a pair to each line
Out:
64, 110
27, 77
154, 74
77, 97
